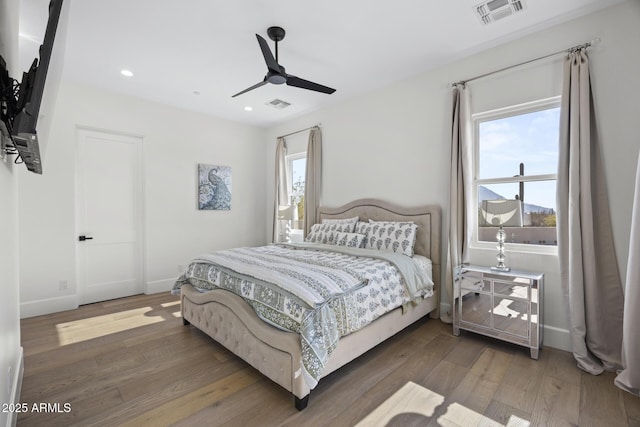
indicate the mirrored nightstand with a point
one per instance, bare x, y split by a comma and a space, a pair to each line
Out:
503, 305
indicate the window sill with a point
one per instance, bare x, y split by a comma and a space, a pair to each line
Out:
517, 248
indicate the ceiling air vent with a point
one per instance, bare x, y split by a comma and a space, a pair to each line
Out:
278, 103
491, 11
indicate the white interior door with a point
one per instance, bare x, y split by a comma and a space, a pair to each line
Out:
109, 220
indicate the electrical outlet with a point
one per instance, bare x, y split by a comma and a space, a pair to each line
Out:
63, 285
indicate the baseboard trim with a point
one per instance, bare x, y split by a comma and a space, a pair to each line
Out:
48, 306
445, 310
16, 389
556, 338
158, 286
71, 302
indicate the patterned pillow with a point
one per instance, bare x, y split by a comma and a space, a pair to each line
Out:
351, 221
363, 228
350, 240
325, 233
390, 222
398, 237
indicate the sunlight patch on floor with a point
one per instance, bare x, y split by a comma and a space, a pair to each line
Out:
410, 398
417, 401
100, 326
175, 304
461, 415
170, 304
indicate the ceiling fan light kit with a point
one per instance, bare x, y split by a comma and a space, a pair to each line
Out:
276, 73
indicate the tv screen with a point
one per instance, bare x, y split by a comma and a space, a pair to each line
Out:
23, 126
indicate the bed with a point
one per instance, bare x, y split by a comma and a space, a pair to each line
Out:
278, 354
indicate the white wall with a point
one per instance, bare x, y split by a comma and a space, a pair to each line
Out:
393, 144
174, 142
10, 350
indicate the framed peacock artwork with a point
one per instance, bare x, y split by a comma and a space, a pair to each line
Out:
214, 187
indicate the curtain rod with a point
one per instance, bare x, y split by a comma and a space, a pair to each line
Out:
593, 42
301, 130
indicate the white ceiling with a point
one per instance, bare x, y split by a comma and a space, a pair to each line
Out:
209, 46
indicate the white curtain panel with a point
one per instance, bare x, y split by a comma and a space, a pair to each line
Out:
460, 183
281, 196
313, 179
588, 266
629, 378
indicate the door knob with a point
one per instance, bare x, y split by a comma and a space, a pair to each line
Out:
82, 238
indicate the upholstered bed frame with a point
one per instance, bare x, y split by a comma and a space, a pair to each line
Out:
232, 322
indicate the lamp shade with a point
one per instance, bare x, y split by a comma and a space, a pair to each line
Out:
287, 212
506, 213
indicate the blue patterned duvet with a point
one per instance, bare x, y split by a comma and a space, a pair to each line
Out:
321, 292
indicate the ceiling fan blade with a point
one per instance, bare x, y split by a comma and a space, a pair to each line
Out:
306, 84
255, 86
272, 65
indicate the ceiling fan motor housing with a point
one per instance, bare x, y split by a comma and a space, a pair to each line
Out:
276, 33
277, 78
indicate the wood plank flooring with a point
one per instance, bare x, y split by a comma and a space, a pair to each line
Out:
131, 362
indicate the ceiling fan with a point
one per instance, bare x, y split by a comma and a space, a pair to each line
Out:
276, 73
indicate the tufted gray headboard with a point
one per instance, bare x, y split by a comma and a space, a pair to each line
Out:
428, 219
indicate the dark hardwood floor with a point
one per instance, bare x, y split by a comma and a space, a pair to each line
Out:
132, 362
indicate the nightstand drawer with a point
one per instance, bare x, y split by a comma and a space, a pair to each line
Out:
476, 309
475, 284
511, 316
511, 289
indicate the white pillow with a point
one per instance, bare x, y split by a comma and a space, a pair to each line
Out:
350, 240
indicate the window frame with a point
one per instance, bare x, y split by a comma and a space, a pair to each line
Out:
497, 114
290, 158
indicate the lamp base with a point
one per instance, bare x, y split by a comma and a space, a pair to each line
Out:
496, 268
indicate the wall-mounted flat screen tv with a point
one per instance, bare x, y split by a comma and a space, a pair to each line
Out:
21, 109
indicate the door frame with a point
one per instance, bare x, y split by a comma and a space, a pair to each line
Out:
140, 217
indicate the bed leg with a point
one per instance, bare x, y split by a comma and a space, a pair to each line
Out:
185, 322
301, 403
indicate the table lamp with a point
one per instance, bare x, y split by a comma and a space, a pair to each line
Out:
501, 213
287, 213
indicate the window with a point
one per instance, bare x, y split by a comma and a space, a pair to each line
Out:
516, 159
296, 167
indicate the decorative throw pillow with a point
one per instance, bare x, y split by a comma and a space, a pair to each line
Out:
350, 240
398, 237
390, 222
363, 228
325, 233
351, 221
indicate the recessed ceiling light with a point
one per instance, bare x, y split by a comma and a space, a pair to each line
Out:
127, 73
247, 108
